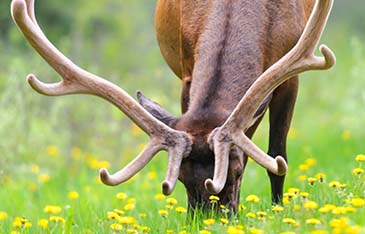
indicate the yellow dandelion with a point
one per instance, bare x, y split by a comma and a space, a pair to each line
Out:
360, 158
290, 221
43, 223
290, 196
32, 187
304, 195
294, 190
129, 220
181, 209
302, 177
169, 231
52, 209
277, 208
172, 201
296, 207
321, 177
235, 230
119, 212
251, 215
358, 202
112, 215
35, 169
163, 213
57, 219
144, 228
169, 207
213, 198
310, 205
183, 232
121, 196
143, 215
312, 180
3, 215
334, 184
224, 221
205, 231
350, 209
340, 223
303, 167
132, 231
73, 195
21, 222
159, 196
256, 231
43, 178
209, 222
241, 208
252, 198
313, 221
288, 232
129, 206
152, 175
261, 214
14, 232
318, 231
358, 171
339, 210
52, 150
310, 161
116, 226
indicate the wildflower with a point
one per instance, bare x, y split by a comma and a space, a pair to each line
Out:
350, 209
35, 169
339, 223
57, 219
346, 135
73, 195
32, 187
121, 196
152, 175
319, 231
204, 231
251, 215
21, 222
277, 208
129, 206
116, 226
290, 221
235, 230
169, 231
304, 195
52, 150
213, 198
14, 232
159, 196
127, 220
208, 222
303, 167
320, 177
43, 178
224, 221
112, 215
252, 198
313, 221
241, 208
181, 209
311, 205
296, 207
132, 231
163, 213
310, 161
334, 184
312, 180
293, 190
358, 171
339, 210
342, 186
119, 212
3, 215
143, 215
144, 228
302, 177
261, 214
357, 202
256, 231
52, 209
169, 207
172, 201
288, 232
360, 158
43, 223
326, 208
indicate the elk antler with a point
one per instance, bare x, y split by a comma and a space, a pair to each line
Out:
301, 58
76, 80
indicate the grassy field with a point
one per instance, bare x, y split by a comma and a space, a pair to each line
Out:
52, 148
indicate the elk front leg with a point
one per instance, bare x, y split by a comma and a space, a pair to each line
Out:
281, 112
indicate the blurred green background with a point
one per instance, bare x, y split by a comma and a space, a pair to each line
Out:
115, 39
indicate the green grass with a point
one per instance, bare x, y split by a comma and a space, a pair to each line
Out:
68, 138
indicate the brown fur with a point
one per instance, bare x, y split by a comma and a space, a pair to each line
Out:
218, 48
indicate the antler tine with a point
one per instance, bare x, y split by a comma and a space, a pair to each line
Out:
297, 60
76, 80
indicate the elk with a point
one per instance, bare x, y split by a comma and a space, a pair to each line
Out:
235, 59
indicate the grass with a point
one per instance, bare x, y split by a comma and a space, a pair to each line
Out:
53, 148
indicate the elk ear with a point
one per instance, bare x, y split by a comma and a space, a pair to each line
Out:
156, 110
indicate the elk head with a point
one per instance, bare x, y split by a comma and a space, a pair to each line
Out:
196, 150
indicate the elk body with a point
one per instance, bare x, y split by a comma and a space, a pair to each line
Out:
235, 59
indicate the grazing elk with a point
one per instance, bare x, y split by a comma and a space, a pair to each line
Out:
235, 58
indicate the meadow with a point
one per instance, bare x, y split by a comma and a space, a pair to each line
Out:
52, 148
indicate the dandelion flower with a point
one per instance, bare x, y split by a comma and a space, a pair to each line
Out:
52, 150
310, 161
129, 220
181, 209
360, 158
43, 178
312, 180
313, 221
159, 196
256, 231
224, 221
290, 221
358, 171
334, 184
3, 215
116, 226
251, 215
320, 177
121, 196
303, 167
311, 205
73, 195
277, 208
52, 209
358, 202
163, 213
57, 219
113, 215
213, 198
304, 195
209, 222
143, 215
129, 206
235, 230
252, 198
172, 201
293, 190
43, 223
204, 231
